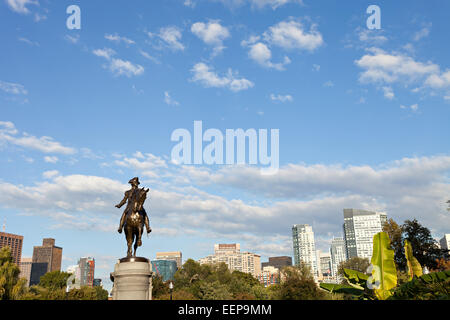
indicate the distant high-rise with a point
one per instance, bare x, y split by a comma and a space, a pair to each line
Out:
278, 262
324, 264
38, 269
445, 242
175, 255
359, 228
98, 282
224, 248
304, 246
230, 254
48, 253
14, 242
25, 269
164, 268
338, 254
87, 271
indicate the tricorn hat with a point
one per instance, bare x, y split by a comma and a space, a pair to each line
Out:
134, 180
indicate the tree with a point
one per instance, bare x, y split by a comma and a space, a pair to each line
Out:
54, 280
395, 234
214, 291
101, 293
11, 286
159, 287
84, 293
355, 263
425, 248
299, 284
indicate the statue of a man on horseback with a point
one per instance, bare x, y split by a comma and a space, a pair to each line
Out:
134, 216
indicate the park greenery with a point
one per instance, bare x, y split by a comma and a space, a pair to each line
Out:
396, 269
395, 272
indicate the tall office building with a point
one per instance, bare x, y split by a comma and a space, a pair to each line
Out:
175, 255
48, 253
359, 228
324, 264
278, 262
38, 269
338, 254
87, 271
235, 260
14, 242
25, 269
164, 268
224, 249
46, 258
304, 246
445, 242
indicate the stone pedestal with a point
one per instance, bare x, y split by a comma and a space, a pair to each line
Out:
132, 278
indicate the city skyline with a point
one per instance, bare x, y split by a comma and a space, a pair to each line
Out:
362, 116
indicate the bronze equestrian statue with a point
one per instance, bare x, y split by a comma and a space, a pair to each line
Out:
134, 216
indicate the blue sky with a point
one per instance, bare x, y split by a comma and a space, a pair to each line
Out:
363, 119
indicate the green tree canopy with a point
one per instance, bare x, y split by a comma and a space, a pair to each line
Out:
54, 280
299, 284
11, 286
424, 247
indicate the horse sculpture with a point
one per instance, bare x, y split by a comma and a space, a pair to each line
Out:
134, 223
134, 217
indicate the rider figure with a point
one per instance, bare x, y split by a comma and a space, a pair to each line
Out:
130, 196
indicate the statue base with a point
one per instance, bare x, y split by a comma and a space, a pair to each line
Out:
132, 279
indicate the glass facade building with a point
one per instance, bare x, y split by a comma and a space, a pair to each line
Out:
165, 268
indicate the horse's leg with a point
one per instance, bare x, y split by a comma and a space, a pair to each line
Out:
140, 231
129, 237
135, 243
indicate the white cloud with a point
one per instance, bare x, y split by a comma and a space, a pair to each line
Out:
281, 98
381, 66
8, 127
372, 36
208, 78
149, 57
388, 93
39, 17
72, 39
44, 144
293, 35
51, 159
118, 66
413, 107
127, 68
251, 40
439, 81
20, 6
116, 38
106, 53
50, 174
189, 3
29, 42
170, 37
328, 84
13, 88
260, 53
259, 4
423, 33
316, 67
212, 33
169, 100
